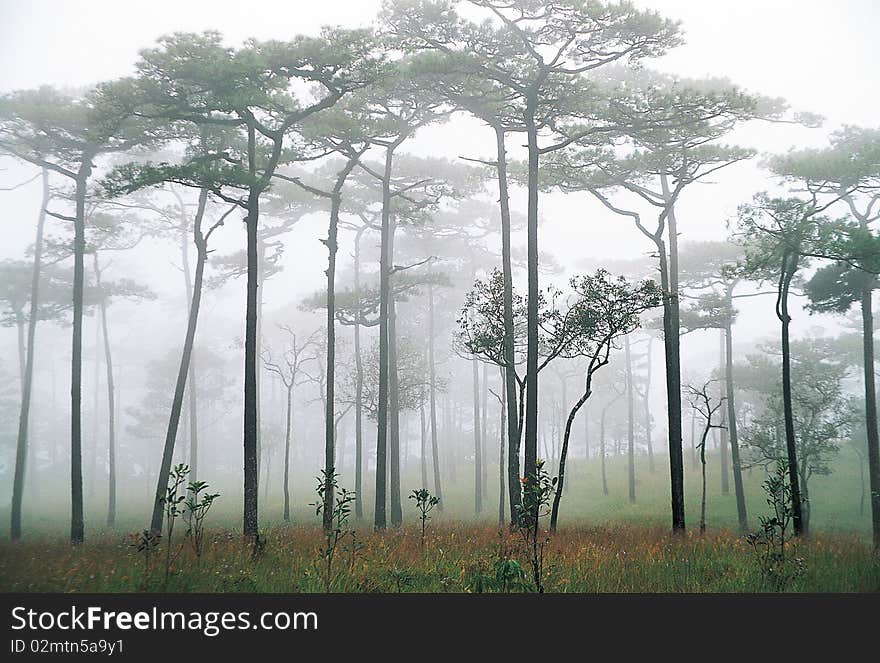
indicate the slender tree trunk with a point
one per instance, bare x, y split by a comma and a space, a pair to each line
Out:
192, 391
871, 412
287, 429
359, 386
21, 447
672, 342
789, 266
423, 445
484, 432
478, 451
563, 455
250, 515
648, 438
393, 392
111, 405
510, 382
703, 473
531, 414
725, 479
330, 371
77, 524
630, 428
693, 439
183, 369
432, 396
384, 318
501, 444
738, 488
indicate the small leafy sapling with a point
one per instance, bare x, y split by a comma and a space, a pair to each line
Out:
145, 542
775, 552
337, 537
537, 494
197, 507
171, 505
425, 502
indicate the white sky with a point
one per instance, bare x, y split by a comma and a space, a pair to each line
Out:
821, 56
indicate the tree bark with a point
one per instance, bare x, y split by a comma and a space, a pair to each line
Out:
531, 410
789, 266
738, 488
287, 428
478, 450
330, 373
77, 524
432, 396
630, 427
510, 383
111, 406
359, 386
672, 345
871, 412
21, 447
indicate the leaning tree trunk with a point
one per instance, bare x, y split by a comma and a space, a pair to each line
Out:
192, 392
789, 266
510, 382
630, 427
21, 446
111, 406
738, 489
432, 397
183, 369
77, 525
563, 455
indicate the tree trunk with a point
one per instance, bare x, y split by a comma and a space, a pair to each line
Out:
287, 452
484, 433
871, 412
330, 371
563, 455
432, 396
531, 412
738, 489
393, 410
510, 383
672, 342
111, 406
77, 525
630, 427
183, 369
359, 385
21, 447
501, 450
648, 431
384, 314
789, 266
192, 381
722, 368
478, 451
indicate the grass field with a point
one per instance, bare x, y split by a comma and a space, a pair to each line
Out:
605, 544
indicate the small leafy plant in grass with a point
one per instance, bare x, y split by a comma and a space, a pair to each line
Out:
338, 537
171, 504
145, 542
425, 502
197, 507
774, 550
537, 494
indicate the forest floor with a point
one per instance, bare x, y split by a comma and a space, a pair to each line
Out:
466, 558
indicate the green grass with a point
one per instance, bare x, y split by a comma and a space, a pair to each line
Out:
605, 544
